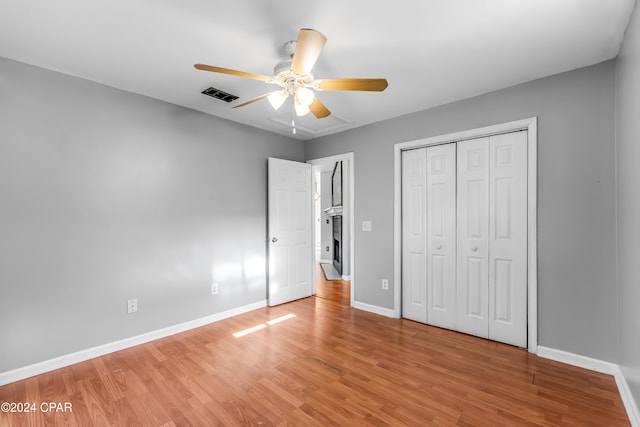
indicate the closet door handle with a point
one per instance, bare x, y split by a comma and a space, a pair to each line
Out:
275, 239
474, 249
438, 246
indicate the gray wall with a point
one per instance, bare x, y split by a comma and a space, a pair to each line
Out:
105, 196
576, 216
628, 186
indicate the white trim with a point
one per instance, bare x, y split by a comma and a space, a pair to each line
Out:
397, 228
599, 366
90, 353
333, 210
373, 309
578, 360
532, 235
627, 398
467, 134
352, 230
531, 125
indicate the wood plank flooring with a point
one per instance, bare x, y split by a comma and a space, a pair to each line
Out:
334, 290
317, 362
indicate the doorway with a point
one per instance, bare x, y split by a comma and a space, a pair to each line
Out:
333, 179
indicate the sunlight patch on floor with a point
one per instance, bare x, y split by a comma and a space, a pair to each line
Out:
281, 319
262, 325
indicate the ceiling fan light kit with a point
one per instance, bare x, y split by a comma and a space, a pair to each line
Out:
301, 109
277, 98
305, 96
296, 78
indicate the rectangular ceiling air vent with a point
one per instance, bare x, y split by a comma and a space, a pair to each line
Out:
217, 93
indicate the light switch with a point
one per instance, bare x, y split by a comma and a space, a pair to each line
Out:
366, 225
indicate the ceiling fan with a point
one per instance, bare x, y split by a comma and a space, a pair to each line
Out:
295, 77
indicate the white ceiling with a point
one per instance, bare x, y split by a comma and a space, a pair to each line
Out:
431, 52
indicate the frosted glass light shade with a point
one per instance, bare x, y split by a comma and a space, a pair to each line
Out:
305, 96
301, 109
276, 99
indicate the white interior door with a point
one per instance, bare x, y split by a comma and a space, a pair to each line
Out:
464, 236
290, 231
414, 235
441, 235
473, 237
508, 238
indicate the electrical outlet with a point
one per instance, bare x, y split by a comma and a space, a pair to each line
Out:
132, 305
214, 289
385, 284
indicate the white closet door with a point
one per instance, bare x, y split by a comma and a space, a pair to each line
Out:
508, 238
464, 236
473, 237
414, 235
441, 235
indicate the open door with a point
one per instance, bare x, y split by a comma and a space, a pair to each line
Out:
290, 231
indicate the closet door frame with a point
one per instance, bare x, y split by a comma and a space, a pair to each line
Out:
530, 125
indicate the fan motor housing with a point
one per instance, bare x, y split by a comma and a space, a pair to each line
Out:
282, 67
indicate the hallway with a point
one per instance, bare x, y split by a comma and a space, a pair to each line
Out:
334, 290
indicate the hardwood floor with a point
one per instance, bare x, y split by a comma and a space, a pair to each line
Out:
323, 363
334, 290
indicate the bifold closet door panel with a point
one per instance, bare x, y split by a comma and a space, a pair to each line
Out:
508, 238
414, 235
441, 235
464, 236
473, 237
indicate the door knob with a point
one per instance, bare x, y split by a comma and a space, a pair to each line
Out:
274, 239
474, 249
438, 246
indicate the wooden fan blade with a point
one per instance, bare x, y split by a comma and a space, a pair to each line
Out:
318, 109
308, 48
257, 98
375, 85
253, 76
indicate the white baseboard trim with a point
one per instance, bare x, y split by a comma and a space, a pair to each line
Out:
627, 398
388, 312
90, 353
599, 366
346, 277
578, 360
